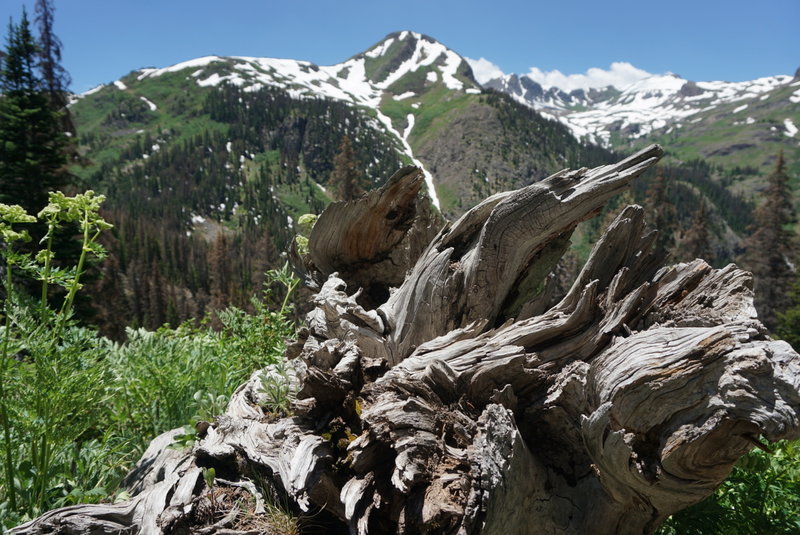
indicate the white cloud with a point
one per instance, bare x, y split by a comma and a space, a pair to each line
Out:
620, 75
484, 70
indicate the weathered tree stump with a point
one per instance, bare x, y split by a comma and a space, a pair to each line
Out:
439, 390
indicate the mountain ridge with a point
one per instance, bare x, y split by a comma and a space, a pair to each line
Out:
684, 115
653, 107
365, 79
673, 97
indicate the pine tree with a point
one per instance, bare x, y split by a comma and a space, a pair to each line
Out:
696, 242
220, 273
661, 212
55, 78
32, 143
112, 313
157, 301
346, 176
770, 250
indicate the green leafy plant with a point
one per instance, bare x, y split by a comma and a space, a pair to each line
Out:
762, 495
9, 217
259, 337
209, 476
77, 409
277, 388
55, 377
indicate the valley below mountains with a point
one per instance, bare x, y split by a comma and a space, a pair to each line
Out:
209, 164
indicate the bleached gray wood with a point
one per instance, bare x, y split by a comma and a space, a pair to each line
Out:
464, 403
377, 238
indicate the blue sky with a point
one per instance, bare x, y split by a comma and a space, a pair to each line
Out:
700, 40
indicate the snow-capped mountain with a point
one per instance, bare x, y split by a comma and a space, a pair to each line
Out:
403, 66
410, 94
612, 115
433, 106
635, 106
362, 79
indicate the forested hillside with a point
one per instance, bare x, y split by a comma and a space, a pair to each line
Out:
204, 197
204, 187
488, 143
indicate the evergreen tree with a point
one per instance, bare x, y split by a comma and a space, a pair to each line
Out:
220, 272
112, 310
346, 176
697, 240
660, 211
770, 250
157, 300
32, 143
55, 78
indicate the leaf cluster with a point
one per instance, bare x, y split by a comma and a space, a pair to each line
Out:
762, 495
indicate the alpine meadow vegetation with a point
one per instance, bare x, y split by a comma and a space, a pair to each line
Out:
77, 409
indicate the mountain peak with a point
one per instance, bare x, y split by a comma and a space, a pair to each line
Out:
405, 52
408, 37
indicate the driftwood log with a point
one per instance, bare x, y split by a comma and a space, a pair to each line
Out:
440, 390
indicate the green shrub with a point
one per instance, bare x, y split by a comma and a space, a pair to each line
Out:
762, 495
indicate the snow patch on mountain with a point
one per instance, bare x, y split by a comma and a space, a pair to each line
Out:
353, 84
790, 127
215, 79
410, 119
192, 63
93, 90
407, 94
387, 123
381, 49
426, 53
632, 104
449, 70
725, 92
346, 81
149, 103
75, 98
